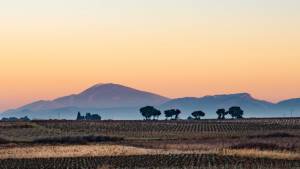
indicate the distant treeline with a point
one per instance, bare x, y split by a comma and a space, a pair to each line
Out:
149, 112
15, 119
88, 116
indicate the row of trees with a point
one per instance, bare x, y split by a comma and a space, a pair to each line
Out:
234, 112
15, 119
149, 112
88, 116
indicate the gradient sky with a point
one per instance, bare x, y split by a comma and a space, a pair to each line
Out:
172, 47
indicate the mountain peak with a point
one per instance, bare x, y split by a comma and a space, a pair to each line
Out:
109, 88
101, 95
103, 85
108, 85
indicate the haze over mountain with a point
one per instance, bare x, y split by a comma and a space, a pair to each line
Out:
99, 97
250, 105
114, 101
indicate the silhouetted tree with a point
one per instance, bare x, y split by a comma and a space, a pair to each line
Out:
190, 118
168, 114
24, 118
150, 111
172, 112
236, 112
79, 117
176, 113
88, 116
221, 113
15, 119
145, 111
95, 117
9, 119
198, 114
156, 113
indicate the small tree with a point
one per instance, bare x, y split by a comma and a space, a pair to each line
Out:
79, 117
236, 112
221, 113
156, 113
190, 118
25, 118
150, 111
168, 114
172, 112
198, 114
88, 116
95, 117
176, 113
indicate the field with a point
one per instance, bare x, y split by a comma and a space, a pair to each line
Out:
151, 161
246, 143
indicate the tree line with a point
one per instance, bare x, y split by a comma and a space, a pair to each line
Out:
150, 112
15, 119
88, 116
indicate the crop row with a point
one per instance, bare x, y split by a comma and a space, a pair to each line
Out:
150, 161
147, 129
157, 128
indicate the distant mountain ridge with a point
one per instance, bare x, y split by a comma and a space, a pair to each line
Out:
114, 101
212, 103
101, 96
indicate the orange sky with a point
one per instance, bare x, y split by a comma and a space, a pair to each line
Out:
188, 51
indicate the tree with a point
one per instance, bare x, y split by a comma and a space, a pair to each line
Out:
190, 118
176, 113
236, 112
25, 118
156, 113
221, 113
95, 117
79, 117
172, 112
150, 111
168, 113
198, 114
88, 116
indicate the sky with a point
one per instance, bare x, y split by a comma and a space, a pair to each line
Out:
172, 47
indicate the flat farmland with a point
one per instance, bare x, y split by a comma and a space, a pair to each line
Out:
151, 161
246, 143
149, 129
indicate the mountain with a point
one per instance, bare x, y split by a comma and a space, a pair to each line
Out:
101, 96
289, 107
96, 98
114, 101
209, 104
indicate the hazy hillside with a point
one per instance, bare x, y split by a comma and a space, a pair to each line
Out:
289, 107
115, 101
210, 104
110, 97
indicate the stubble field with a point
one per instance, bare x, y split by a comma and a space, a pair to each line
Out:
247, 143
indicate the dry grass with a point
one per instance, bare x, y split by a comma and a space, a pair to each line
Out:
203, 148
48, 151
45, 151
261, 153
